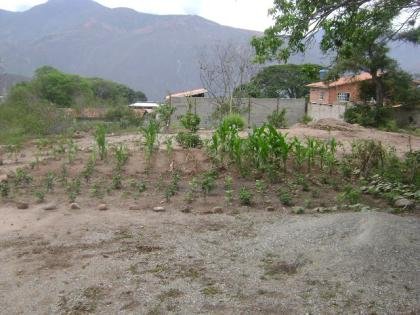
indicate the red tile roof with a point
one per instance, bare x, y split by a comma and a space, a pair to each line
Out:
342, 81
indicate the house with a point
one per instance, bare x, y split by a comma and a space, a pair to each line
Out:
193, 93
343, 91
142, 108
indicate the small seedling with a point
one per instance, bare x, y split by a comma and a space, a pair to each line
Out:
208, 182
260, 187
40, 196
100, 138
22, 177
49, 181
4, 189
245, 197
229, 190
350, 195
117, 181
121, 155
285, 197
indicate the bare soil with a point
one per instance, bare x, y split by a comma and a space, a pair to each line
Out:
192, 259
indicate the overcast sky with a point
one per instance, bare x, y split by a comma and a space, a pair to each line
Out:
249, 14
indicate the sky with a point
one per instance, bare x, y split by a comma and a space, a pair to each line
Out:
248, 14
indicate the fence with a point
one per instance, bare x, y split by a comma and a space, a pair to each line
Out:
254, 110
319, 111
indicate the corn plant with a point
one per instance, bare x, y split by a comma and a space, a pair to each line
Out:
89, 168
121, 155
208, 182
100, 138
299, 152
312, 146
22, 177
150, 134
73, 189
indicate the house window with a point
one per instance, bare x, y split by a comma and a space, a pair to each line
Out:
321, 95
343, 97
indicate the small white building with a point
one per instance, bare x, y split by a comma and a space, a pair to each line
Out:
144, 107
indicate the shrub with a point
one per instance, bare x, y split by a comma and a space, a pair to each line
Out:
165, 112
278, 119
245, 196
190, 121
188, 140
369, 116
306, 119
124, 115
234, 121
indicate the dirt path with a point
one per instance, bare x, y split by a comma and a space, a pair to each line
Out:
141, 262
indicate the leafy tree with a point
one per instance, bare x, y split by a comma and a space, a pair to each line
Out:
356, 31
287, 81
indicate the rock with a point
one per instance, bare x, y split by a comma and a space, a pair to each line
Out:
22, 205
159, 209
270, 209
74, 206
77, 135
134, 208
50, 207
3, 178
103, 207
217, 210
186, 209
404, 203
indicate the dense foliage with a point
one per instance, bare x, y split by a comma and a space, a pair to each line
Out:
284, 81
356, 32
35, 108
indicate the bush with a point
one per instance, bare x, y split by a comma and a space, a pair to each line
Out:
369, 116
306, 119
234, 121
188, 140
278, 119
190, 121
124, 115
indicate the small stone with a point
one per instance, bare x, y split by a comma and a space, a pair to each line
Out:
134, 208
50, 207
159, 209
74, 206
22, 205
217, 210
3, 178
186, 209
270, 209
103, 207
404, 203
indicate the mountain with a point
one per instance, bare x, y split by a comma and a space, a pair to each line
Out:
153, 53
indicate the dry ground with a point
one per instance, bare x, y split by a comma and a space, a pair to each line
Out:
189, 260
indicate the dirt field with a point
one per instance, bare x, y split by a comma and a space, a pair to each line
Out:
204, 257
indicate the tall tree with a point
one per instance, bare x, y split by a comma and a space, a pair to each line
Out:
357, 31
285, 81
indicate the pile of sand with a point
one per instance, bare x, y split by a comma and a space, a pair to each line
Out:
334, 124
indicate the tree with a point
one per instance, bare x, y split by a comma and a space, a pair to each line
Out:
286, 81
223, 68
356, 31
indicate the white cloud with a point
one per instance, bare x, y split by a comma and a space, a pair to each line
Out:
249, 14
